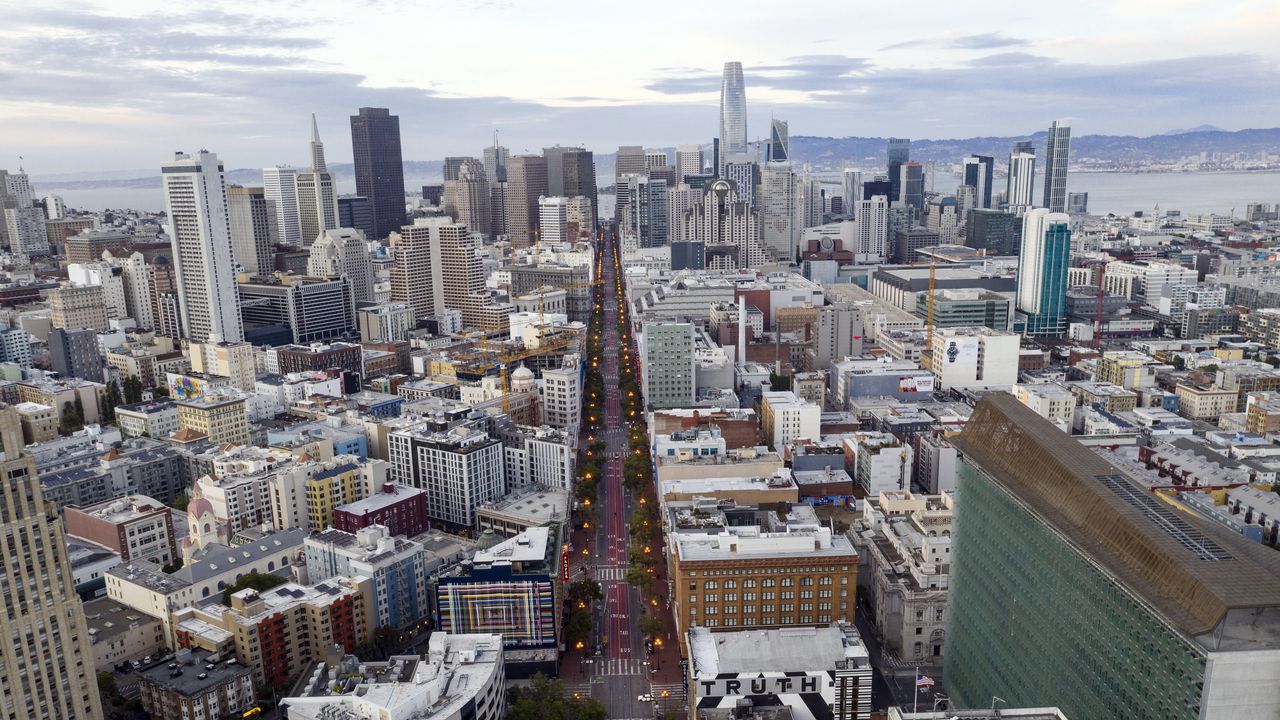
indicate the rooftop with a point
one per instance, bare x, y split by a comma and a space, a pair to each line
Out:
107, 618
785, 649
192, 675
1193, 573
390, 495
528, 546
534, 505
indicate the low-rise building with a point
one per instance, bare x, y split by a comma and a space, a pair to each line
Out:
965, 358
196, 685
460, 677
525, 508
151, 418
784, 417
742, 462
135, 526
821, 673
904, 542
881, 462
400, 508
779, 487
39, 422
1104, 396
1205, 402
222, 417
1050, 401
119, 633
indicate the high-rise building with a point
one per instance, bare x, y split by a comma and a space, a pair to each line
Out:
466, 196
743, 172
280, 189
553, 218
1043, 259
778, 206
495, 162
453, 164
571, 172
1074, 585
680, 200
1057, 152
354, 212
22, 223
1077, 203
666, 363
977, 175
526, 182
74, 307
838, 335
779, 141
911, 186
725, 231
871, 230
898, 151
415, 268
253, 228
196, 203
317, 193
460, 468
1022, 177
48, 662
74, 353
344, 253
654, 158
689, 161
379, 168
646, 211
850, 190
733, 111
995, 231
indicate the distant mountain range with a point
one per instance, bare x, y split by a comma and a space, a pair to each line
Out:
823, 153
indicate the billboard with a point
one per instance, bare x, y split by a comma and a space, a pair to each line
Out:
915, 383
961, 351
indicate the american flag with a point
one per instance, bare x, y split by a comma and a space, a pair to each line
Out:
923, 681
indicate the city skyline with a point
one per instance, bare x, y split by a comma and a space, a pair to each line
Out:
245, 78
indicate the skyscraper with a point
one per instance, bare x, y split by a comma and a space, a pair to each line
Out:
1043, 260
977, 174
688, 161
1022, 177
526, 182
779, 141
379, 168
48, 661
343, 252
354, 212
897, 152
317, 193
778, 203
1073, 585
1057, 151
850, 189
571, 172
280, 185
733, 111
253, 228
415, 268
495, 162
870, 230
911, 186
724, 230
743, 171
199, 230
647, 210
629, 160
466, 196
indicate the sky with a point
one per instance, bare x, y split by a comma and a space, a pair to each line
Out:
119, 86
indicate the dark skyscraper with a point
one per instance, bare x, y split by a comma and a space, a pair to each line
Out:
911, 185
779, 141
1056, 153
899, 151
354, 212
977, 174
375, 145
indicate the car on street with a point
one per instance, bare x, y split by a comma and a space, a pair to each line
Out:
645, 698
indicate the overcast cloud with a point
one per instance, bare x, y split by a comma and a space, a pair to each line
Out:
107, 86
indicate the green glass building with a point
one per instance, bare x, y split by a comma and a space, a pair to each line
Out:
1074, 586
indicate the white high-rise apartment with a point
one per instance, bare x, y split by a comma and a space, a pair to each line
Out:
1022, 176
137, 289
199, 230
344, 252
280, 183
733, 111
778, 207
870, 230
689, 161
1057, 153
553, 217
562, 395
48, 662
850, 189
21, 224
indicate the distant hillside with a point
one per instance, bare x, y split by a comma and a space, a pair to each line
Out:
825, 153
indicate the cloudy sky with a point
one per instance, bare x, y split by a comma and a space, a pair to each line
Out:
92, 86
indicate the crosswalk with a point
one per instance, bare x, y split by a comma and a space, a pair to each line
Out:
668, 691
621, 666
578, 690
611, 572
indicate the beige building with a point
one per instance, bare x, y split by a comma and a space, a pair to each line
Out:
1111, 398
221, 417
134, 526
233, 360
64, 391
740, 462
1049, 400
119, 633
1205, 402
415, 268
810, 386
778, 488
47, 657
78, 307
39, 422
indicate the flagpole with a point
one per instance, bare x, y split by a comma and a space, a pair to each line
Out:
915, 703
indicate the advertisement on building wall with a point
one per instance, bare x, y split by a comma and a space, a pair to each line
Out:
961, 351
915, 384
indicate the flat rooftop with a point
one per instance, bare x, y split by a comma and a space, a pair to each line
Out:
535, 506
528, 546
381, 499
1213, 585
775, 650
